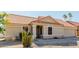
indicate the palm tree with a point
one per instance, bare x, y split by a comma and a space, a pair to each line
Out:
3, 22
70, 16
65, 17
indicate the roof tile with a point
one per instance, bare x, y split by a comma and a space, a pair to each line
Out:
64, 23
20, 19
73, 23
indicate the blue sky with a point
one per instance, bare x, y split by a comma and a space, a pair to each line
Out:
55, 14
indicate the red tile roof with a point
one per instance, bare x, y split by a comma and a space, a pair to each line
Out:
20, 19
42, 18
64, 23
27, 20
73, 23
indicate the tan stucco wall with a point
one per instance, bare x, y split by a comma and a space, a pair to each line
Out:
57, 31
13, 30
69, 32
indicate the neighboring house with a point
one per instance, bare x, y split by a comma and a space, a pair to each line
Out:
41, 27
76, 24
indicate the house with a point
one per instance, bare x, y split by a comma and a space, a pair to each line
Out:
41, 27
76, 24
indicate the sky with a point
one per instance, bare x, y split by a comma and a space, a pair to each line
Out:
55, 14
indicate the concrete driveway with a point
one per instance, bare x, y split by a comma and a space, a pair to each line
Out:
66, 42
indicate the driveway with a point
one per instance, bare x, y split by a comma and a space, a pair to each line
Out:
66, 42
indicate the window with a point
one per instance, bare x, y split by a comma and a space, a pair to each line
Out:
49, 30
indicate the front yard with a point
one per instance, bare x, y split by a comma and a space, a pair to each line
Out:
46, 43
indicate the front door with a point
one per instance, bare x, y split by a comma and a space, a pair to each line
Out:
39, 32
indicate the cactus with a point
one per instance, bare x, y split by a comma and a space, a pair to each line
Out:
26, 39
29, 39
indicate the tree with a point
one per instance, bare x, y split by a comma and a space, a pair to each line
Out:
3, 21
70, 16
65, 17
